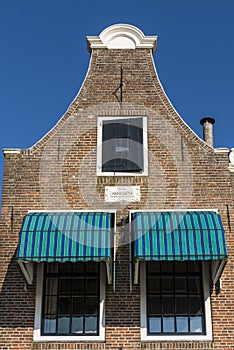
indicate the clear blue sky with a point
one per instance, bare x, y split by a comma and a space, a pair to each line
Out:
44, 59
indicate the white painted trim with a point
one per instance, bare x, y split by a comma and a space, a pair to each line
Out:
37, 337
38, 303
11, 151
74, 211
208, 320
114, 258
99, 147
171, 210
221, 150
231, 156
130, 260
108, 272
121, 36
27, 270
136, 267
231, 168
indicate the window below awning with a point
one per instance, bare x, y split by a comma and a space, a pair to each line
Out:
179, 235
65, 236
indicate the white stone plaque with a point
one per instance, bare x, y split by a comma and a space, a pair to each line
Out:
122, 194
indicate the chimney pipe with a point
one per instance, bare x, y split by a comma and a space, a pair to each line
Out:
207, 124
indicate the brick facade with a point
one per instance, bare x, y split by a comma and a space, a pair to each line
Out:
59, 173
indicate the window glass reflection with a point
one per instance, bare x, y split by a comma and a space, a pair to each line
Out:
168, 325
155, 325
182, 324
63, 324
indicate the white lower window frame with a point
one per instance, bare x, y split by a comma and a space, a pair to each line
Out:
207, 306
37, 337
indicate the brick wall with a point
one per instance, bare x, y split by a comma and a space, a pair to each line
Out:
59, 172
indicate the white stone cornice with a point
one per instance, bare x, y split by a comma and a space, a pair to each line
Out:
11, 151
231, 160
122, 36
221, 150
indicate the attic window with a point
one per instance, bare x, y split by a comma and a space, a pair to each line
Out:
122, 146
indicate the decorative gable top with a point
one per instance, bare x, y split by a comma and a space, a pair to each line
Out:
122, 36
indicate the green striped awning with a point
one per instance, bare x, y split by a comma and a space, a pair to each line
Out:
185, 235
66, 236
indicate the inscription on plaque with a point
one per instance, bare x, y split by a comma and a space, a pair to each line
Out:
122, 194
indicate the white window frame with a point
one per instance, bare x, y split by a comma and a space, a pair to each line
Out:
99, 147
37, 337
207, 309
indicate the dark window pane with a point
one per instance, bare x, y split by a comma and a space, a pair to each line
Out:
122, 148
155, 325
168, 325
78, 268
91, 286
65, 268
167, 267
153, 267
122, 164
194, 266
52, 268
154, 284
65, 285
91, 305
168, 305
91, 324
51, 286
182, 324
181, 305
78, 306
91, 268
180, 285
50, 306
194, 285
78, 286
63, 324
131, 128
167, 285
154, 305
64, 305
195, 305
180, 267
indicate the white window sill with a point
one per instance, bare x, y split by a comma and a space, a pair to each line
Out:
175, 338
39, 338
121, 174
